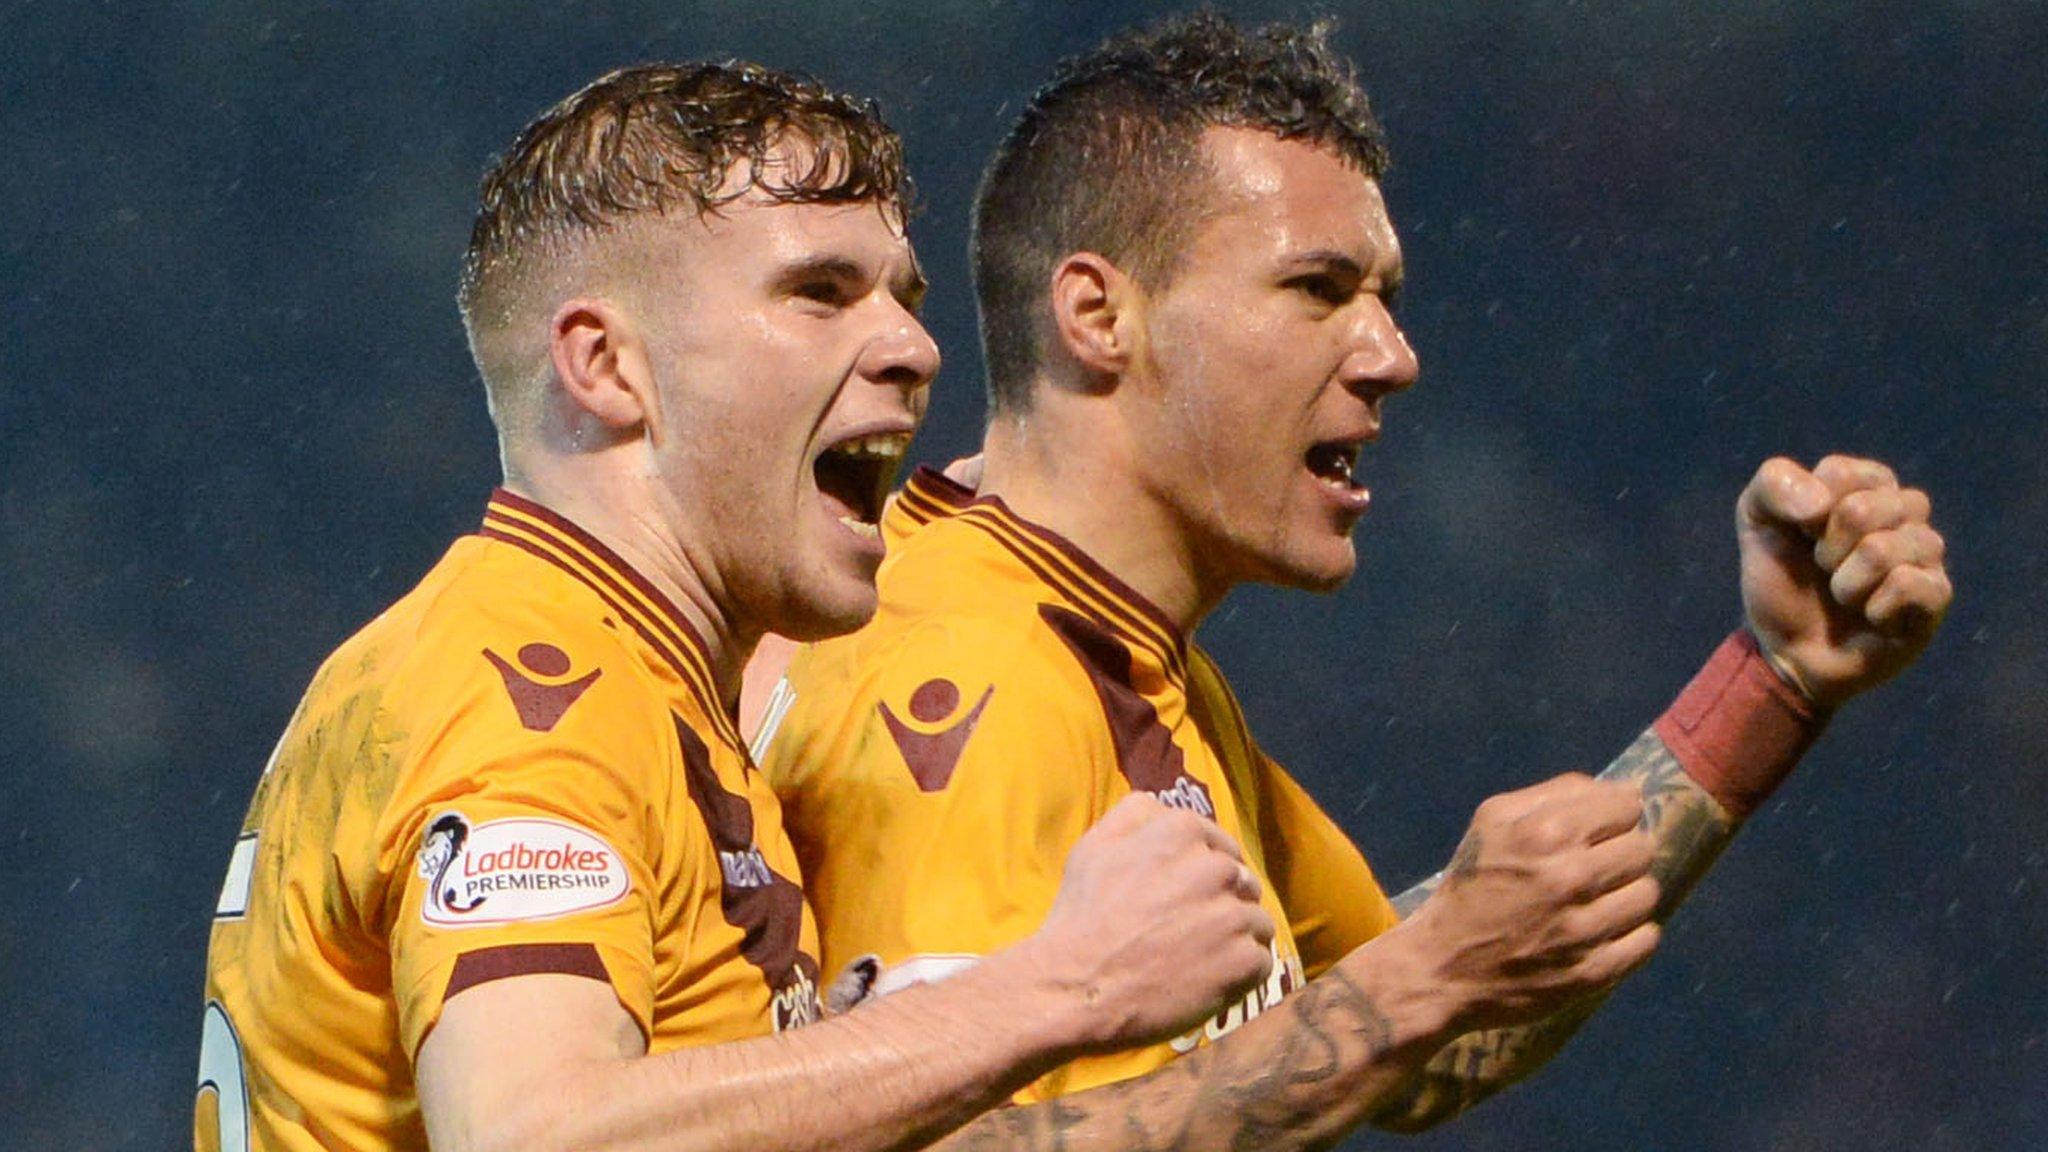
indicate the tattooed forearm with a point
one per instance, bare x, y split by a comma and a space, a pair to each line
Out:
1479, 1064
1689, 828
1291, 1079
1307, 1071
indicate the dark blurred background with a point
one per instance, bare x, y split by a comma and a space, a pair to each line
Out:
1648, 245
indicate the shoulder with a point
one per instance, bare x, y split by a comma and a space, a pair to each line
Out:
954, 616
495, 653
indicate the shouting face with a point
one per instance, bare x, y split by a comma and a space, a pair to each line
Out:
790, 371
1267, 356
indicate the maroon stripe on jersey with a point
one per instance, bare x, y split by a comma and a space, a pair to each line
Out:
1145, 751
1070, 584
907, 507
932, 494
1051, 576
1145, 611
933, 485
487, 964
1060, 564
613, 596
692, 679
767, 907
929, 485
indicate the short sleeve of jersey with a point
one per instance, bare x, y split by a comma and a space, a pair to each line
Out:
522, 834
1334, 902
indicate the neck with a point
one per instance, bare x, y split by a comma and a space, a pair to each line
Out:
1068, 465
625, 515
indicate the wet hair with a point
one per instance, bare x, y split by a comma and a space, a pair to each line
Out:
1107, 158
658, 138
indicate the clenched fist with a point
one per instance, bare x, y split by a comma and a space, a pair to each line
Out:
1843, 580
1548, 898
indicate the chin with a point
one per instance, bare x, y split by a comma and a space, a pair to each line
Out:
1326, 571
1303, 548
1319, 582
821, 614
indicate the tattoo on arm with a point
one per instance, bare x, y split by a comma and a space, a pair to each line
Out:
1690, 829
1271, 1087
1280, 1083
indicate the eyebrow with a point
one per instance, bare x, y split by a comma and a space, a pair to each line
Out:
830, 267
1330, 259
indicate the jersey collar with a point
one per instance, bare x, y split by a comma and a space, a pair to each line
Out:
1059, 563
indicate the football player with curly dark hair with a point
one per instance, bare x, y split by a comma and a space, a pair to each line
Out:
1187, 274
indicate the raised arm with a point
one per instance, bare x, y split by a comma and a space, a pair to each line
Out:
1156, 923
1843, 585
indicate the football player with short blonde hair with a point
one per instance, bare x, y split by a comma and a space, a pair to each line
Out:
510, 880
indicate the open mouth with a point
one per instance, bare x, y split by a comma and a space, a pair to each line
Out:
857, 474
1333, 462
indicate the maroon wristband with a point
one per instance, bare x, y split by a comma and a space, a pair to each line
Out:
1738, 728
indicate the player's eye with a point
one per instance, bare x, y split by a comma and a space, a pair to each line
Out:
1324, 288
823, 291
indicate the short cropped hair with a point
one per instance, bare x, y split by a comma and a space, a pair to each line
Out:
1107, 158
657, 138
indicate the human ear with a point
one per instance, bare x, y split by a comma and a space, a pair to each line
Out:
601, 363
1093, 308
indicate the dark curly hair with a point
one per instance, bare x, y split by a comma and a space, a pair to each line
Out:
658, 137
1107, 158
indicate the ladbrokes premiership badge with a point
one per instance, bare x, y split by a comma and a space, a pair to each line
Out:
524, 868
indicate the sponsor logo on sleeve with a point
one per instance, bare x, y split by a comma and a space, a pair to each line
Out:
524, 868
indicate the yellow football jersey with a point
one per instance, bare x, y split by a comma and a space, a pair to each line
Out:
936, 767
522, 766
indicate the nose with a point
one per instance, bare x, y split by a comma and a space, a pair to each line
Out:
1381, 362
901, 352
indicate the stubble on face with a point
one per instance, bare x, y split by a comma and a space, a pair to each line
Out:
1265, 356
